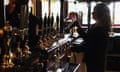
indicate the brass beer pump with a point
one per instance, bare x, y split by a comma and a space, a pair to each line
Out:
8, 55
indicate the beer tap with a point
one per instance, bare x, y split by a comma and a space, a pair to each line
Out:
48, 25
40, 43
50, 36
57, 21
45, 25
51, 24
52, 28
41, 35
48, 28
8, 55
43, 38
58, 28
45, 30
24, 21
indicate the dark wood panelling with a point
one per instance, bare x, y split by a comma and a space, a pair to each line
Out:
1, 14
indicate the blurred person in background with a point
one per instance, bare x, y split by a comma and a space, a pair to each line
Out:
96, 39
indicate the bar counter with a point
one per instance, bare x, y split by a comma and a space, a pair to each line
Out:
47, 60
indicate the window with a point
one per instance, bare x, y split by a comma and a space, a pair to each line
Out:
82, 6
117, 13
115, 16
44, 7
6, 2
79, 7
54, 7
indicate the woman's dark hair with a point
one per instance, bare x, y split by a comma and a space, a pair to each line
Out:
103, 14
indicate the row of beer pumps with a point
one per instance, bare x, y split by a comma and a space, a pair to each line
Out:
15, 40
49, 31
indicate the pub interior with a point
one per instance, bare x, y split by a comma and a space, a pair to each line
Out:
36, 35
